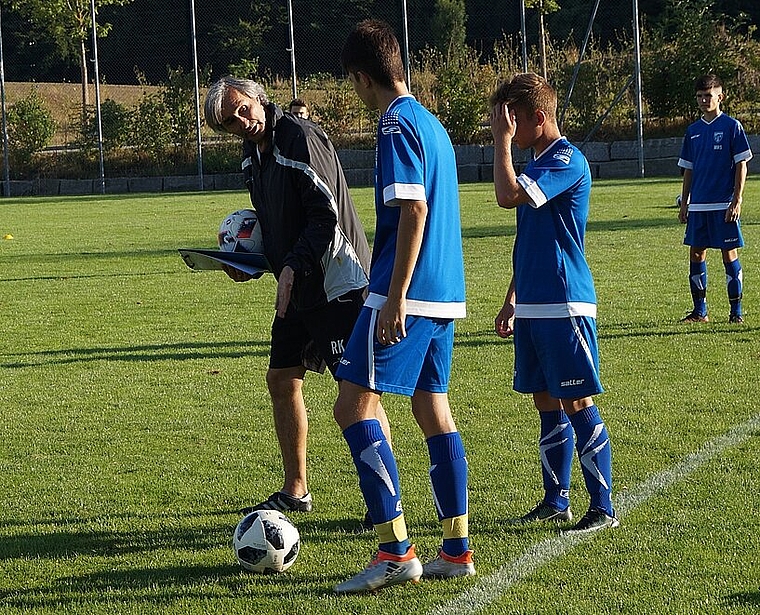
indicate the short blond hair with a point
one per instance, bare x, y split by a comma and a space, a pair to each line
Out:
527, 92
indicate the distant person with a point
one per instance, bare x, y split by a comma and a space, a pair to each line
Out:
299, 108
315, 242
403, 341
550, 304
714, 159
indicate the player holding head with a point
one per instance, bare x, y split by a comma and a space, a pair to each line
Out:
550, 304
714, 158
318, 251
403, 340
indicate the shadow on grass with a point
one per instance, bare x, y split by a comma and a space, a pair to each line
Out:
149, 352
62, 537
122, 580
748, 598
616, 331
157, 586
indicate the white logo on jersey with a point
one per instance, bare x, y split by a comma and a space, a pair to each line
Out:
337, 346
718, 137
389, 123
564, 154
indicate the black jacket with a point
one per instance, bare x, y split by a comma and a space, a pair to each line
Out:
307, 217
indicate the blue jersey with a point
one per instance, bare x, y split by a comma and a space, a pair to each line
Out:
712, 150
552, 277
415, 161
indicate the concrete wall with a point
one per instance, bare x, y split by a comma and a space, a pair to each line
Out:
616, 160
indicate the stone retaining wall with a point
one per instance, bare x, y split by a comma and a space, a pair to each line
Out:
616, 160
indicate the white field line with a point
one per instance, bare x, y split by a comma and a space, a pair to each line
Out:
491, 588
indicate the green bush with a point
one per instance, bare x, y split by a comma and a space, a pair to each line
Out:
30, 129
460, 92
163, 123
115, 119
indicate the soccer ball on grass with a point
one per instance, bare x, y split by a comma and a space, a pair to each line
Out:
241, 232
265, 541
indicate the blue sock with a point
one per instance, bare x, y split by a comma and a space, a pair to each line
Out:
556, 447
593, 446
734, 279
698, 286
378, 476
448, 480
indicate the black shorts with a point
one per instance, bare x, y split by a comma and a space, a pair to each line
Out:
315, 339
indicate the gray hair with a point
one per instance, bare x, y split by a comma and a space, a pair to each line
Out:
212, 108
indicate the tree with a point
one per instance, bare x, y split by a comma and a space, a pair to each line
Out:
692, 38
543, 7
69, 24
449, 25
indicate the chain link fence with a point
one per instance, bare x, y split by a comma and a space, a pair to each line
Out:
147, 52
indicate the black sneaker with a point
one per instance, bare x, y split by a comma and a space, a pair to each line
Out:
593, 521
543, 513
695, 317
735, 319
283, 502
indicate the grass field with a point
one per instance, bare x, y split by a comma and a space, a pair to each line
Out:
135, 422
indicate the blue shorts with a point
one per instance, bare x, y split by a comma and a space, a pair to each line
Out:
709, 229
559, 355
420, 361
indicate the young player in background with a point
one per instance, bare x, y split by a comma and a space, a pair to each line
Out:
403, 340
550, 304
714, 157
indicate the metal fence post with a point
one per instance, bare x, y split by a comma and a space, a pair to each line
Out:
6, 162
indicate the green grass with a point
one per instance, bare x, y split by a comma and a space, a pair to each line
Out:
135, 421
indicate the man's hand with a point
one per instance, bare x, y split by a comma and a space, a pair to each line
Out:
683, 211
236, 274
505, 320
391, 322
734, 211
284, 288
503, 122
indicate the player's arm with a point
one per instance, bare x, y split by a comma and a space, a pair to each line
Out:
740, 178
509, 193
683, 210
391, 319
319, 231
505, 319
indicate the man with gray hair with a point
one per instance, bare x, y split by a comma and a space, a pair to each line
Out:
318, 251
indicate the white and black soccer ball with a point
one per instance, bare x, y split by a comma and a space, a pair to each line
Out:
265, 541
241, 232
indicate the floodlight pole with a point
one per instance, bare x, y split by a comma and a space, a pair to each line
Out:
292, 50
97, 96
198, 143
6, 162
524, 37
405, 16
637, 78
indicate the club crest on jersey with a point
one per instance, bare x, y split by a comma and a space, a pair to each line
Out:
717, 137
564, 154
